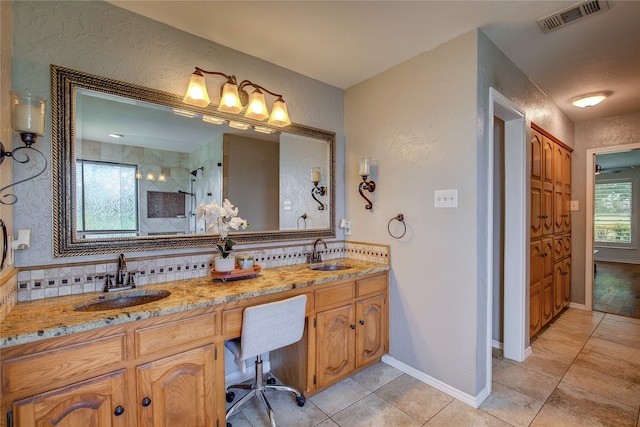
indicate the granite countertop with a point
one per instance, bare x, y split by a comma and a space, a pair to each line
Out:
36, 320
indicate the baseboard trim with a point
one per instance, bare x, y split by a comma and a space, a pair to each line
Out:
578, 306
474, 401
497, 344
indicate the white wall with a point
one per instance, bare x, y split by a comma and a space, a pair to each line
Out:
103, 39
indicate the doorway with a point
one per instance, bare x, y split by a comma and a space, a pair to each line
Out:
607, 254
508, 230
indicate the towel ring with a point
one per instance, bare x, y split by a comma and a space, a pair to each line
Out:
400, 219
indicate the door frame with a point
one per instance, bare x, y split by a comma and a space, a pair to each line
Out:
590, 171
516, 236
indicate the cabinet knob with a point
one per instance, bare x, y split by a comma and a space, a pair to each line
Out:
146, 402
352, 326
362, 322
119, 411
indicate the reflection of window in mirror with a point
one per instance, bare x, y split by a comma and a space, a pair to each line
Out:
107, 199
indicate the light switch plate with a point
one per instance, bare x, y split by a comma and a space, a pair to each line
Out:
446, 199
287, 205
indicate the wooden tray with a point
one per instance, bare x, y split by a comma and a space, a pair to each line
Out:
237, 274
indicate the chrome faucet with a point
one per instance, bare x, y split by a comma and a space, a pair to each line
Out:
315, 256
122, 270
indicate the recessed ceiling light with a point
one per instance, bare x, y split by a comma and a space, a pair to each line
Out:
590, 99
115, 135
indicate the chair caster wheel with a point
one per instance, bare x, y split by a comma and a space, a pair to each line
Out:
230, 396
228, 424
300, 400
271, 381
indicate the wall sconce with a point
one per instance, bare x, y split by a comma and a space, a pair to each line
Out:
235, 98
27, 120
370, 186
316, 176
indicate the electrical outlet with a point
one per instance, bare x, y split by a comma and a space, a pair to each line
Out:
575, 205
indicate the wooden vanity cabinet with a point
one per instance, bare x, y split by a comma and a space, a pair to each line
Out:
147, 373
351, 328
169, 370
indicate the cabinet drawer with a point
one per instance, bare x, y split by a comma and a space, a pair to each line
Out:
371, 285
232, 322
175, 334
50, 366
334, 295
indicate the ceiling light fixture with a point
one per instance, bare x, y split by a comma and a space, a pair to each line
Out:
234, 98
590, 99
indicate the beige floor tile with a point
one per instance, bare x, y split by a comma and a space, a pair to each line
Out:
545, 364
288, 413
373, 411
591, 407
339, 396
565, 336
414, 397
326, 423
623, 319
457, 414
604, 385
619, 332
578, 330
239, 420
376, 376
556, 349
526, 381
618, 351
609, 365
511, 406
550, 416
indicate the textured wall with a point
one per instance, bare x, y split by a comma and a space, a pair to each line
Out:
421, 137
604, 133
436, 136
103, 39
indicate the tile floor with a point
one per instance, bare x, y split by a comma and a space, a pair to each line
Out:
616, 289
584, 371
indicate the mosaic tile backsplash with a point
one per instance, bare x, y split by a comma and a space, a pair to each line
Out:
59, 281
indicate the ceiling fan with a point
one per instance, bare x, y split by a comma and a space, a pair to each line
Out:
618, 169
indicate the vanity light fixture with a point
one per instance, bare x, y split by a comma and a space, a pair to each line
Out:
234, 98
316, 176
27, 120
590, 99
239, 125
363, 170
263, 129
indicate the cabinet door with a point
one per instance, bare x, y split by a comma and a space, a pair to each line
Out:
537, 214
537, 162
566, 212
566, 245
335, 338
370, 330
566, 171
547, 280
99, 402
177, 390
535, 279
558, 286
558, 212
535, 320
566, 284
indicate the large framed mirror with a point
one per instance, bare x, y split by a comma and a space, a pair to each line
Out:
131, 164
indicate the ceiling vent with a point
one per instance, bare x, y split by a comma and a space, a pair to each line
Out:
572, 14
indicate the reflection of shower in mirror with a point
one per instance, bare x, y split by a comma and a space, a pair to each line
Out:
195, 171
194, 202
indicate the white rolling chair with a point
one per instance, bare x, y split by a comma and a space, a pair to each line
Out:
266, 327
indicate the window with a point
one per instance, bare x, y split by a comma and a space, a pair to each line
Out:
107, 199
613, 213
